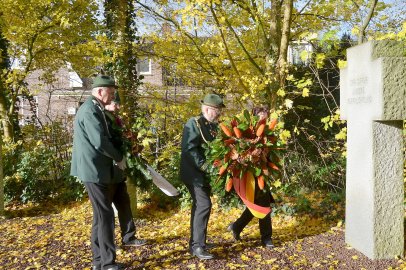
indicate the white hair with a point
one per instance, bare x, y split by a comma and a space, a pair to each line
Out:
94, 90
204, 108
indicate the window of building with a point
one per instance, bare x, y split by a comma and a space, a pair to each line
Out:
144, 66
71, 110
299, 53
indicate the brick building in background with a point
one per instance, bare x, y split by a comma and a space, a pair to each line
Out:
56, 100
60, 99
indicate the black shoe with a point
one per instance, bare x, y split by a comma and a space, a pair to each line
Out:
94, 267
117, 266
268, 243
135, 243
202, 254
236, 235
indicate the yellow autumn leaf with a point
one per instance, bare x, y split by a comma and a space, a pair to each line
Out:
304, 55
342, 63
258, 256
281, 92
284, 136
277, 183
342, 135
270, 261
320, 57
355, 31
305, 92
244, 258
288, 103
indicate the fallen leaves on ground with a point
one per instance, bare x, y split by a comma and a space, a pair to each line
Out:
61, 241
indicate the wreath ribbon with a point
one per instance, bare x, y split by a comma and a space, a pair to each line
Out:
240, 187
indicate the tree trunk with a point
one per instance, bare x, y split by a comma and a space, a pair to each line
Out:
284, 42
6, 124
4, 108
120, 22
275, 27
278, 50
7, 134
132, 192
1, 178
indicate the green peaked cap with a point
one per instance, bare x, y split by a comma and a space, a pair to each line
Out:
103, 81
213, 100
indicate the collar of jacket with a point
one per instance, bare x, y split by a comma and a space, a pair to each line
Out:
97, 102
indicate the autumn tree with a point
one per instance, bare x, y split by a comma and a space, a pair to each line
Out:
46, 36
42, 35
240, 48
4, 65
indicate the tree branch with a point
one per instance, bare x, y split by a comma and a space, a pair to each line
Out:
176, 24
322, 17
227, 50
252, 61
361, 35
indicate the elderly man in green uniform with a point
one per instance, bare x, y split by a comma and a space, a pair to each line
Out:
193, 170
121, 199
93, 158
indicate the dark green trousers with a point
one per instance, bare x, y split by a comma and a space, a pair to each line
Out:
199, 217
102, 237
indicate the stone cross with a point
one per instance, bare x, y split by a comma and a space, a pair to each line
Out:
373, 101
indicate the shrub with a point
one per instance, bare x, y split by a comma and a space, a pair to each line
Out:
36, 168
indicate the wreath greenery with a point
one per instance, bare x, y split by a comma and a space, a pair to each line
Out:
130, 145
246, 147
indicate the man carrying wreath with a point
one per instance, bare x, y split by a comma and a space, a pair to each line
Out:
194, 170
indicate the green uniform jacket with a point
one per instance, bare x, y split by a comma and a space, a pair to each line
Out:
192, 158
93, 152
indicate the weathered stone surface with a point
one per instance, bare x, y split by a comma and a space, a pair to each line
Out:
387, 48
372, 100
394, 88
388, 184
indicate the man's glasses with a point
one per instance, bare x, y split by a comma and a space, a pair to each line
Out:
217, 110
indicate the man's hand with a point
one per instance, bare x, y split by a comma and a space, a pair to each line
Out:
122, 164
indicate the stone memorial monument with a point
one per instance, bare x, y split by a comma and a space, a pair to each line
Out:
373, 101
